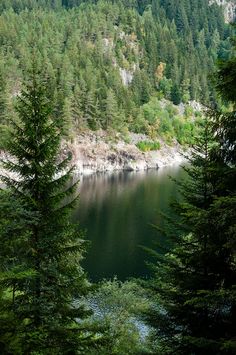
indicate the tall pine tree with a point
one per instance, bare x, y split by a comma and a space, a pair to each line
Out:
44, 250
193, 286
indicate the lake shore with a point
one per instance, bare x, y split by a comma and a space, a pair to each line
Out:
94, 152
98, 152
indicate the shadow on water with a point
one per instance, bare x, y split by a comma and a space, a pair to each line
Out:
117, 210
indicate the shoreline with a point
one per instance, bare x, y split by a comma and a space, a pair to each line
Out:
97, 153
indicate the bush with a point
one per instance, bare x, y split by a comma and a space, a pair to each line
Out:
188, 111
118, 307
157, 120
184, 130
146, 146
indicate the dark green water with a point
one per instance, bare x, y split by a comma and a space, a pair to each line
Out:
117, 212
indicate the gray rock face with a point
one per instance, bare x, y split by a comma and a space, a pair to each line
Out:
229, 8
95, 152
126, 76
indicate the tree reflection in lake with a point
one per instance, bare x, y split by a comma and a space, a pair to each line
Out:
117, 211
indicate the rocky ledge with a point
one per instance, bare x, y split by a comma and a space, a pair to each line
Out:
98, 152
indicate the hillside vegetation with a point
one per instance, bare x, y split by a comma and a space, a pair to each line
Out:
110, 62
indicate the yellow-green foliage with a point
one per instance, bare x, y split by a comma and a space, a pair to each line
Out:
146, 146
159, 119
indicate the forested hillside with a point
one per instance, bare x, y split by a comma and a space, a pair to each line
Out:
110, 62
95, 86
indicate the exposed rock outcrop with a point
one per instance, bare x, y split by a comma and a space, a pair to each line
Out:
94, 152
127, 75
229, 8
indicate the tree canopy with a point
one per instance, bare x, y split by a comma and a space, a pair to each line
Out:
132, 49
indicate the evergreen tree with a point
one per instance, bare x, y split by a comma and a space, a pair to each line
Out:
112, 112
91, 113
175, 94
77, 109
13, 269
107, 35
194, 284
2, 98
43, 270
3, 110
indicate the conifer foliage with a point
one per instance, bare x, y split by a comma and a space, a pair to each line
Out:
40, 249
114, 54
193, 286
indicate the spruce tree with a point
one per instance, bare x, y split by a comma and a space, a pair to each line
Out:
13, 269
77, 109
194, 282
112, 111
2, 98
91, 112
3, 108
44, 251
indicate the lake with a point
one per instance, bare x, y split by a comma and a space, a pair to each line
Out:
118, 212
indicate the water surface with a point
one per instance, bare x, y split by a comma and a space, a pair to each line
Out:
118, 212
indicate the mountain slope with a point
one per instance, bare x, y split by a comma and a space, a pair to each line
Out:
107, 59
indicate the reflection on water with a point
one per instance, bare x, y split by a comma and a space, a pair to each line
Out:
117, 210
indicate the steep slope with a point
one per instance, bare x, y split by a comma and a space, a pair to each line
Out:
109, 61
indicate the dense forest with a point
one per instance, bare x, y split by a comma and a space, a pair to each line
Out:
67, 66
110, 62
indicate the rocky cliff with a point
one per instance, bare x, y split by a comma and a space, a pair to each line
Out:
97, 152
229, 8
